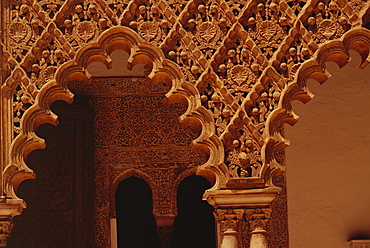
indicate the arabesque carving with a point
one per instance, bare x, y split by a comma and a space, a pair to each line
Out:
236, 66
137, 134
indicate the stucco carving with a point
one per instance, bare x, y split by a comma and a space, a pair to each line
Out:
236, 66
137, 134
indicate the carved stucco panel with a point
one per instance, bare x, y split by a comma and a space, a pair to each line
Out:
237, 66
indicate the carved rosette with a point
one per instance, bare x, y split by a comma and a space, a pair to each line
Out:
85, 31
19, 32
237, 66
150, 31
208, 33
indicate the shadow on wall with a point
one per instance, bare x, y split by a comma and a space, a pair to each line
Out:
328, 161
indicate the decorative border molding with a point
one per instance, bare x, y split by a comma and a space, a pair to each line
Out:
360, 243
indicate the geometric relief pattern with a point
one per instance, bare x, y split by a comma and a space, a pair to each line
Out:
136, 130
278, 228
246, 61
59, 212
239, 55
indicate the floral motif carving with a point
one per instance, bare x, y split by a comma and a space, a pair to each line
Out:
244, 157
46, 62
242, 63
149, 31
22, 100
267, 26
298, 52
23, 29
328, 21
51, 7
19, 32
83, 22
151, 21
208, 32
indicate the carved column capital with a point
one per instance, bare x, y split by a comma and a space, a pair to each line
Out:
229, 226
8, 209
6, 227
234, 206
257, 220
229, 218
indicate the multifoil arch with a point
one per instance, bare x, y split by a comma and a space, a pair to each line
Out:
337, 51
140, 52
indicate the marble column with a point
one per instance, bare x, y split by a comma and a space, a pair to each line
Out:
234, 206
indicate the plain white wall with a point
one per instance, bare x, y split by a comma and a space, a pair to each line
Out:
328, 161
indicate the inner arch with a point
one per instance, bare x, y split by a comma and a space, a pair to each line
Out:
136, 227
195, 224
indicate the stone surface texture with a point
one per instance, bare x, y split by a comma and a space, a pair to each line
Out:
205, 87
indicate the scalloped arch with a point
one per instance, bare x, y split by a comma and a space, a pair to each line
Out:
338, 51
140, 52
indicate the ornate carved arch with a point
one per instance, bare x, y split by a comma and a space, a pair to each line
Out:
238, 80
337, 51
162, 70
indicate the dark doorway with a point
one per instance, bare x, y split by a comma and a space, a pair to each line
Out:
136, 227
194, 226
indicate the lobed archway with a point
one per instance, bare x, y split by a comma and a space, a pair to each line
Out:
238, 83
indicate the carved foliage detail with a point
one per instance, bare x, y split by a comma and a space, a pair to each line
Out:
22, 100
136, 134
268, 25
244, 157
241, 55
328, 21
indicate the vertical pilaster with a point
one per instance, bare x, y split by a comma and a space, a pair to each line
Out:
165, 229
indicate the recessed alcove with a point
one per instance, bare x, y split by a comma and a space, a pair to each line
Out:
118, 124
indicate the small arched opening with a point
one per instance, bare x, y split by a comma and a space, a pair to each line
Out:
195, 224
136, 227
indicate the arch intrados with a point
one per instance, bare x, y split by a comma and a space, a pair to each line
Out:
162, 70
127, 174
314, 68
